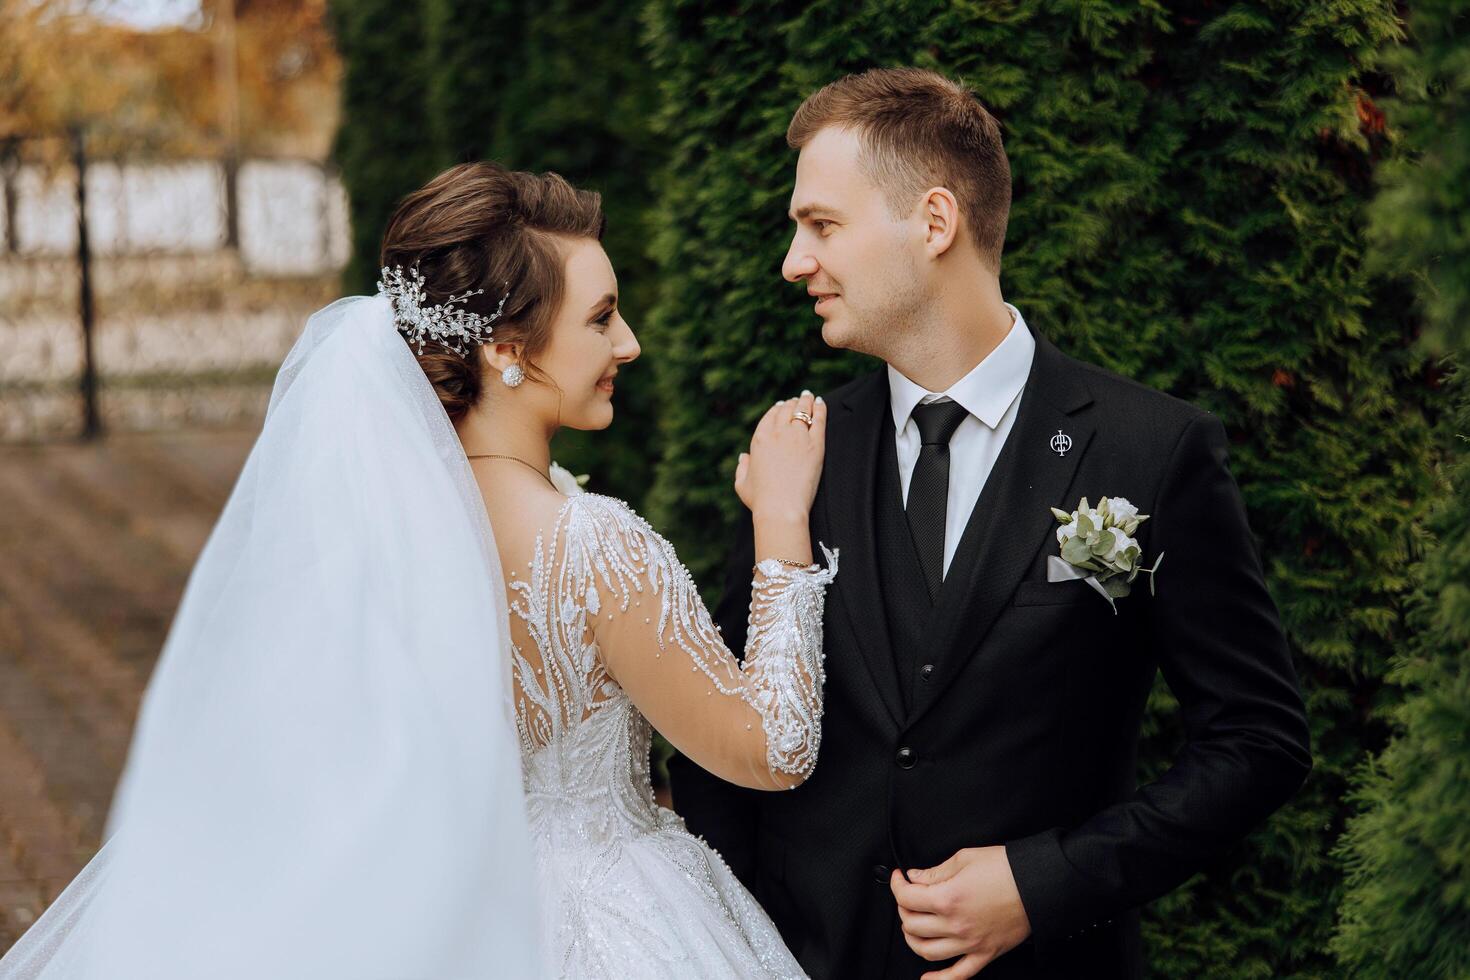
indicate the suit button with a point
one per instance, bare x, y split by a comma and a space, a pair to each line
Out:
906, 758
926, 671
881, 873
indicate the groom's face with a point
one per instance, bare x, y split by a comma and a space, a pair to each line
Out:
859, 262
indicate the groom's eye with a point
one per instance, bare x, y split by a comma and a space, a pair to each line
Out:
821, 225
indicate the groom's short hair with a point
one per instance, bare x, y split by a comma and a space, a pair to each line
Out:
920, 130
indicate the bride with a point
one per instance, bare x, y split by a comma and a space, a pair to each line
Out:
391, 738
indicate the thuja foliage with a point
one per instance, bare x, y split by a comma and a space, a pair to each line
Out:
473, 54
1406, 911
535, 86
579, 102
384, 145
1419, 219
1407, 907
1190, 190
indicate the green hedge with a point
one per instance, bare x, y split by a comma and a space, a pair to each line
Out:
536, 86
385, 144
1191, 193
1190, 188
580, 103
474, 51
1407, 909
1406, 912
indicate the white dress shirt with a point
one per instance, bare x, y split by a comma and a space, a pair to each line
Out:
991, 393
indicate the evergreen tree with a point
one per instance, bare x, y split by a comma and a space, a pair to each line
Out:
581, 104
1419, 225
731, 337
475, 49
1189, 209
535, 86
1406, 911
1407, 907
384, 146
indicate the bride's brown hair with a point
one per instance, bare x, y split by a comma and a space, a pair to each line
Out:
480, 226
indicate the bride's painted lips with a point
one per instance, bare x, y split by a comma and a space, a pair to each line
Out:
606, 384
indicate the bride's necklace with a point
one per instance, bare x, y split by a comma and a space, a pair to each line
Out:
516, 459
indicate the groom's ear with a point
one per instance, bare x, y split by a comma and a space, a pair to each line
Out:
941, 214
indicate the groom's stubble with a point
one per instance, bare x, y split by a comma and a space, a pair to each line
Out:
891, 308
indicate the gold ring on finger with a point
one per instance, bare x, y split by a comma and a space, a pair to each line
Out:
800, 416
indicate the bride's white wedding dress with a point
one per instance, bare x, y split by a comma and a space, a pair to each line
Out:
356, 761
626, 890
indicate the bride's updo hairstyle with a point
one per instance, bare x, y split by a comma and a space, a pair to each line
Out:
480, 226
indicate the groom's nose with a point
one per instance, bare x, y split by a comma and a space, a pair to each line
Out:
799, 263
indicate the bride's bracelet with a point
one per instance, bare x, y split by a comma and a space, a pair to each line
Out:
782, 561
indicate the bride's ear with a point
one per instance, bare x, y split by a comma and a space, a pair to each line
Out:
498, 357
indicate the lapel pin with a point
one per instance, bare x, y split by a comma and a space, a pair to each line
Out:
1060, 443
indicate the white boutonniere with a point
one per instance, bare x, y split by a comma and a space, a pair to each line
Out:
562, 479
1098, 547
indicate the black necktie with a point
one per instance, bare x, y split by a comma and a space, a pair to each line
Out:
929, 487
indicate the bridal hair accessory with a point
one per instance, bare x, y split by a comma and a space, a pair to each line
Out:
513, 376
457, 329
1100, 541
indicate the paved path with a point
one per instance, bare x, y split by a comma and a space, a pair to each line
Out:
96, 543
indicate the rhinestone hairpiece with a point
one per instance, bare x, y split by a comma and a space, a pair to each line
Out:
457, 329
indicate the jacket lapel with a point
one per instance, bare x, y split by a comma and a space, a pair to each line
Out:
849, 492
1012, 518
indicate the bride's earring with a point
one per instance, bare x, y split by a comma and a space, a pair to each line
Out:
513, 376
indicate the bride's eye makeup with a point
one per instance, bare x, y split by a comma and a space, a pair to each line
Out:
608, 307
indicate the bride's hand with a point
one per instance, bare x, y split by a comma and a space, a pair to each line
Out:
778, 477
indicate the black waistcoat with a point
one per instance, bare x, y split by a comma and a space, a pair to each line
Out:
905, 597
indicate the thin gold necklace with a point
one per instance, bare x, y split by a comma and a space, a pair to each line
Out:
517, 459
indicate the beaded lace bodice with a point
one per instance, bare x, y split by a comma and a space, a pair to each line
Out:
607, 590
609, 633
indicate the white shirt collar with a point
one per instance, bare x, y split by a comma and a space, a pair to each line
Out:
986, 392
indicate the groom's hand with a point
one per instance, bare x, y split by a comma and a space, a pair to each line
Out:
967, 907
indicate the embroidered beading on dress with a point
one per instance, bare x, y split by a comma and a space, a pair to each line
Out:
628, 891
783, 659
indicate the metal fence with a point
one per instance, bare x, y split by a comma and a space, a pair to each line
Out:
142, 294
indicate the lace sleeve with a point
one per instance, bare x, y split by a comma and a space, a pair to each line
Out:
758, 724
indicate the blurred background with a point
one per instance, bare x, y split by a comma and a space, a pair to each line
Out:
1257, 206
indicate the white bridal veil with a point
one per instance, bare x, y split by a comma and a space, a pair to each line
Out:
324, 782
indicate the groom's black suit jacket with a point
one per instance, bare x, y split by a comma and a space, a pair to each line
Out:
1025, 696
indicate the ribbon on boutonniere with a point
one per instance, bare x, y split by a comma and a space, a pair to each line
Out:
1098, 547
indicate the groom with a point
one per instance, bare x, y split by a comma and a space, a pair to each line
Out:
975, 804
